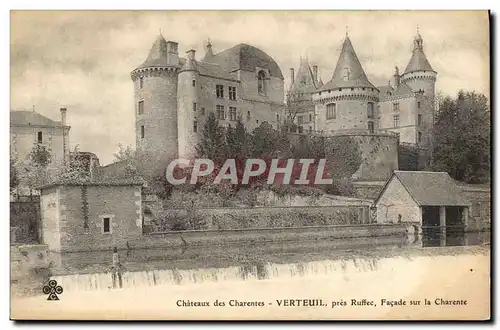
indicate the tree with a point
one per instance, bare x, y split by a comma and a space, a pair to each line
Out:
296, 102
213, 142
14, 179
462, 138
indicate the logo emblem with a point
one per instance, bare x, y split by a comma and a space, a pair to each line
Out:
52, 289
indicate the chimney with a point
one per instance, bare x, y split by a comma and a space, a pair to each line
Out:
191, 54
63, 116
315, 72
292, 75
396, 77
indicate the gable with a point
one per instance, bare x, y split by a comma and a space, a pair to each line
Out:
395, 193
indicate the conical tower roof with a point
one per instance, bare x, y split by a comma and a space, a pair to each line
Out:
304, 79
348, 72
418, 60
158, 55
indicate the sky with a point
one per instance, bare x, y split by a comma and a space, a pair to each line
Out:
82, 60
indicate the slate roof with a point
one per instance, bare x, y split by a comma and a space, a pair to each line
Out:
357, 76
245, 57
418, 60
401, 90
157, 56
31, 118
429, 188
304, 81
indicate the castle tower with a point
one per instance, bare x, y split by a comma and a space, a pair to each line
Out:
155, 89
349, 100
421, 78
299, 97
419, 74
189, 124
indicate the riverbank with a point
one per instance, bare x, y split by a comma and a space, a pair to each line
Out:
450, 273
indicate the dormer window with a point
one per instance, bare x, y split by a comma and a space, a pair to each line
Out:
346, 74
261, 83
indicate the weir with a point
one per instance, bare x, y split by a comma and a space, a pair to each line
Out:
251, 272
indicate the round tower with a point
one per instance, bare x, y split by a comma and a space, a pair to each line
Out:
419, 75
155, 90
348, 102
188, 121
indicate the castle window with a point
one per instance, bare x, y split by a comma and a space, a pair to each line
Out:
419, 119
370, 110
194, 106
232, 113
106, 223
395, 107
140, 107
370, 126
310, 117
261, 79
300, 120
203, 111
40, 137
248, 115
331, 111
300, 129
277, 118
232, 93
141, 82
396, 121
193, 83
195, 126
419, 137
310, 129
142, 132
220, 112
418, 105
219, 91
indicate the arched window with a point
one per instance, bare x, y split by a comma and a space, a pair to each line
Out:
261, 82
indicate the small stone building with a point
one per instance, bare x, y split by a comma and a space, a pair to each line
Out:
432, 199
90, 216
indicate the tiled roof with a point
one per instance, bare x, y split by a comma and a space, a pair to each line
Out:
31, 118
245, 57
431, 188
348, 72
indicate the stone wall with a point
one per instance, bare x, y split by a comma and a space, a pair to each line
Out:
81, 210
262, 217
480, 210
397, 201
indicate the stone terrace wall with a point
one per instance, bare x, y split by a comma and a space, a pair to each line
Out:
267, 217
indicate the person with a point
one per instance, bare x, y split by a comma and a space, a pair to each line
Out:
116, 269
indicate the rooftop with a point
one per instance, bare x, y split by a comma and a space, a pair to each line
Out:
348, 72
430, 188
247, 58
31, 118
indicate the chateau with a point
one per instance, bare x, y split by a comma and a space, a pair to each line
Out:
174, 95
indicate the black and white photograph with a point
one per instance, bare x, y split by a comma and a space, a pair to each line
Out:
250, 165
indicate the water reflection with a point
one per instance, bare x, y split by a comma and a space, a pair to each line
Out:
194, 265
434, 236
